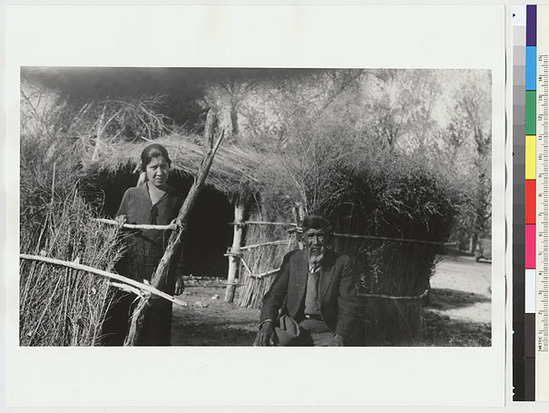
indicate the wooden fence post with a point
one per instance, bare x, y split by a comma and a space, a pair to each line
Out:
299, 213
234, 257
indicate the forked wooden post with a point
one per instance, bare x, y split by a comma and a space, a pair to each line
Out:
299, 214
173, 243
234, 256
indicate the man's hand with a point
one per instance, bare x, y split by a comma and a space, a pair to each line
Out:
179, 285
266, 335
337, 341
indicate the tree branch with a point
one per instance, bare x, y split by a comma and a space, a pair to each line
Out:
92, 270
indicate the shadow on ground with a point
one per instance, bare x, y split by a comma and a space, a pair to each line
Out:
442, 331
209, 321
446, 299
216, 335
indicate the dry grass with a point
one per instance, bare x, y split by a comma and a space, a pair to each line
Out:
233, 172
59, 306
62, 306
392, 269
441, 331
262, 260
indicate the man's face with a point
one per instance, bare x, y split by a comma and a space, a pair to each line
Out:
315, 240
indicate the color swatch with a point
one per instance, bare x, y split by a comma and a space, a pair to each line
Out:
531, 180
541, 292
530, 231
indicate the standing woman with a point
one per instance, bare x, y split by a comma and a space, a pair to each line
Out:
150, 202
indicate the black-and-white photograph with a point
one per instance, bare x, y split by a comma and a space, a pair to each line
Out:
255, 207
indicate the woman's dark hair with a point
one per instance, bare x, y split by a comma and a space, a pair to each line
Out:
153, 151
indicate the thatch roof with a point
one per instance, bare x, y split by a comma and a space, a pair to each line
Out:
233, 172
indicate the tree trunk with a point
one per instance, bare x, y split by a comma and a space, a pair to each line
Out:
473, 242
234, 119
234, 260
209, 129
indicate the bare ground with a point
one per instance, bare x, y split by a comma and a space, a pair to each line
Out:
208, 320
458, 313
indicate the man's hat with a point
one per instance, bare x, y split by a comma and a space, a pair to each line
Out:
316, 222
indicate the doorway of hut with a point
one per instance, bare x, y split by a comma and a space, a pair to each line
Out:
209, 231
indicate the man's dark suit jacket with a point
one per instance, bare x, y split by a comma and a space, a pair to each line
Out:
336, 291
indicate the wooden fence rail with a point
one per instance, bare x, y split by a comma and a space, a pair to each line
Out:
264, 244
286, 224
135, 226
92, 270
371, 237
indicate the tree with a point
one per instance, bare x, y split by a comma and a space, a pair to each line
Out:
399, 107
469, 135
227, 94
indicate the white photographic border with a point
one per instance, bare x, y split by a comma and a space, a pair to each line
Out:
349, 36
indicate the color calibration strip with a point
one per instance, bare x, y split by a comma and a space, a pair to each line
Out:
540, 80
520, 384
531, 203
530, 206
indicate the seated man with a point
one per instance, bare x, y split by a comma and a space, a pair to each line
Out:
315, 292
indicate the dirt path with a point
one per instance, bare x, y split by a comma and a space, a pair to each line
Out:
460, 308
458, 314
208, 320
461, 289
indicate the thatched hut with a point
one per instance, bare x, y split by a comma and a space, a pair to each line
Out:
232, 181
392, 207
372, 211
